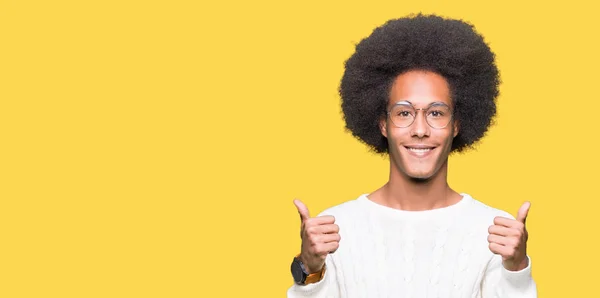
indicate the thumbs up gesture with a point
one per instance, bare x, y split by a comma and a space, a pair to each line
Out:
508, 238
319, 237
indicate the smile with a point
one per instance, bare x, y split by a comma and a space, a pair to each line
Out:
419, 151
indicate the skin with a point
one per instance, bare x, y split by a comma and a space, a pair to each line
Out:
416, 183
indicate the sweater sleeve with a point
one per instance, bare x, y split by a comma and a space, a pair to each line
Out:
326, 288
499, 282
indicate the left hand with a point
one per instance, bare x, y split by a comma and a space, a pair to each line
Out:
508, 238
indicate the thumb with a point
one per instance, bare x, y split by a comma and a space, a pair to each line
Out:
302, 210
523, 211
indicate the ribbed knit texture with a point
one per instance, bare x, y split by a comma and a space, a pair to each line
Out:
386, 252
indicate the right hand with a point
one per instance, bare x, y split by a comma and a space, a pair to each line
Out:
320, 237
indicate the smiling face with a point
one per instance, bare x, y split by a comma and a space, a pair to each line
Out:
419, 151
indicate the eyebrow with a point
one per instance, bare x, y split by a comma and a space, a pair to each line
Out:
410, 103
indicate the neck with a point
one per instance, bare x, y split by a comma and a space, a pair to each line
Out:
406, 193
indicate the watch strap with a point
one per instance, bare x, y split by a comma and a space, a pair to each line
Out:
314, 277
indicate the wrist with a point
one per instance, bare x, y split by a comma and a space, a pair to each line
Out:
513, 266
303, 275
310, 268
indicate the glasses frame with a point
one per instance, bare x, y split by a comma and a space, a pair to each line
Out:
408, 103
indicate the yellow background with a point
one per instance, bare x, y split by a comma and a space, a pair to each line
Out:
153, 148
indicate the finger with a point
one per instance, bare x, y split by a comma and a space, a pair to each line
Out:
331, 247
499, 249
302, 210
320, 220
321, 229
326, 238
508, 222
501, 240
502, 231
523, 211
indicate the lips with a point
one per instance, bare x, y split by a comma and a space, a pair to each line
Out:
419, 150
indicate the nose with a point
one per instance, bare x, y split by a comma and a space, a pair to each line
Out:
420, 128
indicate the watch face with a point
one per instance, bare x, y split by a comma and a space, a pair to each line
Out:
297, 272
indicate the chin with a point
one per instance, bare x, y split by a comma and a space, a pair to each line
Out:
420, 177
419, 171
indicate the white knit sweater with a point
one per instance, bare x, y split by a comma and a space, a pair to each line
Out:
386, 252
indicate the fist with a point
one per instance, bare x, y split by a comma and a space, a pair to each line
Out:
320, 237
508, 238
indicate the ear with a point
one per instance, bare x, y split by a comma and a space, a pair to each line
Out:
383, 126
456, 128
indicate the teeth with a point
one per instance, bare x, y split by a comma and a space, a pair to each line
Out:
419, 150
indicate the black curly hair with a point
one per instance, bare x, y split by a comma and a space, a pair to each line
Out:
451, 48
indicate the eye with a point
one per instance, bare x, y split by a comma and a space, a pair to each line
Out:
403, 113
437, 113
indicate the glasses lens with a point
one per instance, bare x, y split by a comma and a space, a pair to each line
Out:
438, 116
402, 115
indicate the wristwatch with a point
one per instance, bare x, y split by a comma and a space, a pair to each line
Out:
301, 276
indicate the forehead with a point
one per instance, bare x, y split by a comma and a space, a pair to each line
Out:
421, 88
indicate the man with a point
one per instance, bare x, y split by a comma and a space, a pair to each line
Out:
418, 88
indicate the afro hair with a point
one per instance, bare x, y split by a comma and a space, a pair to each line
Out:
451, 48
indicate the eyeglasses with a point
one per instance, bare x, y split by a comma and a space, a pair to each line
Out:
437, 115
